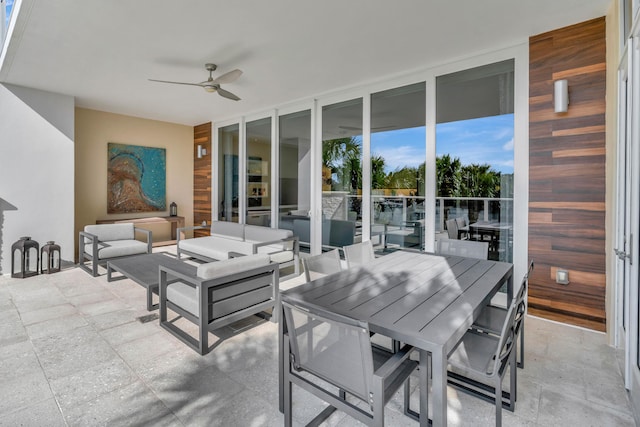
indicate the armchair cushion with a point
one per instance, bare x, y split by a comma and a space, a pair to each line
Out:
111, 232
118, 248
231, 266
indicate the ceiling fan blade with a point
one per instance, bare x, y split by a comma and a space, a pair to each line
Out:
228, 94
176, 83
229, 77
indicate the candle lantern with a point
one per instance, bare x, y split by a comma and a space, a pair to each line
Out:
173, 209
50, 258
24, 258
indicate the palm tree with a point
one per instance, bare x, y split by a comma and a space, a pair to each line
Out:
343, 157
378, 177
448, 176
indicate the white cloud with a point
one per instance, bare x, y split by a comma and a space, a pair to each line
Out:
398, 157
508, 146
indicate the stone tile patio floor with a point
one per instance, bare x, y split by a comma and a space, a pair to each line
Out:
72, 353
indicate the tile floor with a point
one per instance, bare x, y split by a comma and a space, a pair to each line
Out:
72, 353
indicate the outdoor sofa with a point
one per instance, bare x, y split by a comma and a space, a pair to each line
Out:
230, 239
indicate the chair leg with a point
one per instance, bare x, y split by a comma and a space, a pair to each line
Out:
287, 402
521, 337
378, 404
499, 402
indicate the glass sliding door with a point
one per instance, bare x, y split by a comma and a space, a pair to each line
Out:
398, 155
228, 144
341, 173
474, 156
258, 137
294, 178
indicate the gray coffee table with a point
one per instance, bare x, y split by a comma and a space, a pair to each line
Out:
144, 270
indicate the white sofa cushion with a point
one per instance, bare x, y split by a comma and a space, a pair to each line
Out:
231, 266
116, 248
229, 230
110, 232
215, 247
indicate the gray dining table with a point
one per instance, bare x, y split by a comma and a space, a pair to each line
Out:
427, 301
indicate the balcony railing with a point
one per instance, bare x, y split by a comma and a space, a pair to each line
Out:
395, 213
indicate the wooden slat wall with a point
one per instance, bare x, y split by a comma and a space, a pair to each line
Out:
202, 177
567, 174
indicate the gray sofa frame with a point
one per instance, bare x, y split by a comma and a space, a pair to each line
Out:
83, 256
221, 300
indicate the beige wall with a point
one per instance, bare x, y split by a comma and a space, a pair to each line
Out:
613, 60
94, 130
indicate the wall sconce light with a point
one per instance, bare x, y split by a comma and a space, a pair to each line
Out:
560, 96
201, 151
562, 277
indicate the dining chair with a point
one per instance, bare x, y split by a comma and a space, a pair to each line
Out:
359, 253
452, 228
327, 351
492, 317
463, 226
321, 265
480, 361
464, 248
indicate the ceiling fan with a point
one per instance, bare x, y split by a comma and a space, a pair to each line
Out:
211, 84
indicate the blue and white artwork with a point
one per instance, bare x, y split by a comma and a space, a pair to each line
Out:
136, 179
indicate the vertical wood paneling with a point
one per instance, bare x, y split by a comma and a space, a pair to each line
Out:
201, 177
567, 174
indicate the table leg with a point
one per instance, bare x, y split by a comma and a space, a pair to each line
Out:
439, 385
510, 288
150, 305
423, 384
281, 360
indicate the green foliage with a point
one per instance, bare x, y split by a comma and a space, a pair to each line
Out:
343, 156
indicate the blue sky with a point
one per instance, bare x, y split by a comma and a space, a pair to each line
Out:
487, 140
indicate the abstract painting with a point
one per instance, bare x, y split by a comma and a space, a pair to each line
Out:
136, 180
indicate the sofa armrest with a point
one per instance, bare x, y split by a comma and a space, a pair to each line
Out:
148, 237
93, 240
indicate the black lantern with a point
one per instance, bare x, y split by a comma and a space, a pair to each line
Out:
173, 209
50, 263
24, 258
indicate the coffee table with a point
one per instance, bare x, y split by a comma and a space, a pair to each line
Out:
144, 270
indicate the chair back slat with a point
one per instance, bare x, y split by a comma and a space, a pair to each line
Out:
359, 253
334, 348
465, 248
321, 265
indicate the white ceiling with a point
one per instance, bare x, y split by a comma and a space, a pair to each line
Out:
103, 52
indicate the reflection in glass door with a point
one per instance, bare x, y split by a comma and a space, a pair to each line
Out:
474, 157
258, 136
398, 155
341, 173
294, 178
228, 139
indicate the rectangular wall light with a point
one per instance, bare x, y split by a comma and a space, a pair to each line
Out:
561, 96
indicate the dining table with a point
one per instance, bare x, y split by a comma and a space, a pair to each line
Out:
424, 300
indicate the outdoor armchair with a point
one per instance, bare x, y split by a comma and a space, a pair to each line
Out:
100, 243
